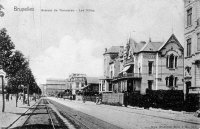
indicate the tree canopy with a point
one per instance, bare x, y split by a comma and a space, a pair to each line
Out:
16, 66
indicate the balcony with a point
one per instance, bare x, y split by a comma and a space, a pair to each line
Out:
128, 75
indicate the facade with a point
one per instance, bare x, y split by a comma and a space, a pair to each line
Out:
54, 86
77, 82
142, 66
113, 63
192, 46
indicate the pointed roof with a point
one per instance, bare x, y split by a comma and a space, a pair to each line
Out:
172, 38
136, 46
152, 46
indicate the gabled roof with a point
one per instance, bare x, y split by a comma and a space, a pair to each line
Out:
93, 80
172, 37
152, 46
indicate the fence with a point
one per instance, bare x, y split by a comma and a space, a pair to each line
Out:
165, 99
113, 98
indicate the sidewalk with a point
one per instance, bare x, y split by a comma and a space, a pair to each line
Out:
126, 117
11, 111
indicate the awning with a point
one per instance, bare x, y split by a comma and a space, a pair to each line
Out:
125, 68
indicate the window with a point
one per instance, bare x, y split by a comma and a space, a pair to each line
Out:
189, 47
171, 81
188, 70
103, 85
167, 61
150, 84
82, 85
198, 41
150, 65
175, 81
77, 84
171, 61
110, 86
189, 17
176, 57
166, 80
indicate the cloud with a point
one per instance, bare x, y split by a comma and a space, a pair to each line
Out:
70, 56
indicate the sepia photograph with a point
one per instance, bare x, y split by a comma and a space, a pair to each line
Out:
100, 64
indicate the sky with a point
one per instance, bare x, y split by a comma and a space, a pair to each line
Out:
59, 43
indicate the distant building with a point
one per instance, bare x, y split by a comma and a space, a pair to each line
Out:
77, 82
54, 86
92, 85
142, 66
192, 46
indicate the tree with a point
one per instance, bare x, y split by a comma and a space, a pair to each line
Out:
1, 12
16, 67
6, 47
16, 62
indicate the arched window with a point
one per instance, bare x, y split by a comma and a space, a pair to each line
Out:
171, 81
171, 61
176, 57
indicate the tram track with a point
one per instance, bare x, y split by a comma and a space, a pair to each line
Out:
81, 120
39, 116
42, 105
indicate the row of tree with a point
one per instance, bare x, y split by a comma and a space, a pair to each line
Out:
16, 66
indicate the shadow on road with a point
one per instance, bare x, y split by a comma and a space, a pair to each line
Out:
39, 126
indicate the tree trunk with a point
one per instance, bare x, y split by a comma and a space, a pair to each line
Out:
3, 108
28, 95
16, 98
23, 95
